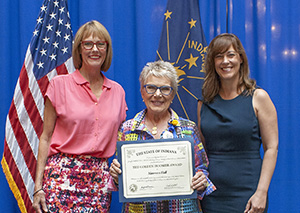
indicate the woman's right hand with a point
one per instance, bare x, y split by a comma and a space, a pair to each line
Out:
39, 202
115, 170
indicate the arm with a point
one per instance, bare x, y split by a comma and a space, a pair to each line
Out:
48, 128
200, 181
200, 103
114, 169
267, 118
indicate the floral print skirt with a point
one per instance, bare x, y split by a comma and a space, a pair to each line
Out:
76, 183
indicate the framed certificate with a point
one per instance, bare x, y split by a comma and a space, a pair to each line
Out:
156, 169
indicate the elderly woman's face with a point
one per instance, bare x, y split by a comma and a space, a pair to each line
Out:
159, 101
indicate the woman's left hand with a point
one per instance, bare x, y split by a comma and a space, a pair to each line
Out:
199, 181
257, 203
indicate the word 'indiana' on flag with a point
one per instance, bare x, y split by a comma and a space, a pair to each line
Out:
183, 44
48, 54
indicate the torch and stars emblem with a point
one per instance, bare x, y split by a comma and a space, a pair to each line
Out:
183, 44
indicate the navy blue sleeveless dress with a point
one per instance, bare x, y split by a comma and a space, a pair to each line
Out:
232, 137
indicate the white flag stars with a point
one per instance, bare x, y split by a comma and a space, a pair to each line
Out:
43, 52
46, 40
68, 25
62, 10
56, 3
55, 44
67, 37
40, 65
43, 8
60, 21
35, 33
58, 33
53, 57
64, 50
53, 15
39, 20
50, 41
49, 27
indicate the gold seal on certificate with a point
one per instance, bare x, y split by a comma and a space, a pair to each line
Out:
156, 169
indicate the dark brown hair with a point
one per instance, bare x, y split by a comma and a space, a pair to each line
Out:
220, 44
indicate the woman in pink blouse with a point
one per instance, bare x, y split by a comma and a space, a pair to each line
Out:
83, 111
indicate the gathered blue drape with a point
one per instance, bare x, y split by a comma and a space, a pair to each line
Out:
268, 29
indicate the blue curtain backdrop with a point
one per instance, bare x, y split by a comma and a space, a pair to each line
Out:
269, 30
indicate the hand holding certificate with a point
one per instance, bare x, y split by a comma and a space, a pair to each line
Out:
156, 170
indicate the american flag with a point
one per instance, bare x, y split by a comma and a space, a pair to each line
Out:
48, 54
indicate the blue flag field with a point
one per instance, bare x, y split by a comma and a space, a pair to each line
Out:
183, 44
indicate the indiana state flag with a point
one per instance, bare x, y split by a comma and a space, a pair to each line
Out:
183, 44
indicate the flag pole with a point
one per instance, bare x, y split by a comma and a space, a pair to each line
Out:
226, 16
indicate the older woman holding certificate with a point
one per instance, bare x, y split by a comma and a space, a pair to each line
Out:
158, 88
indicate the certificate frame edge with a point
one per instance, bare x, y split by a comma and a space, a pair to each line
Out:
122, 198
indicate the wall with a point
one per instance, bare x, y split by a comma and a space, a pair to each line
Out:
269, 30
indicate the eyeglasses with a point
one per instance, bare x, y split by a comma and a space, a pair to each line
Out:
151, 89
88, 45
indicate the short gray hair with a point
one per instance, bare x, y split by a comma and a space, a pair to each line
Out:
160, 69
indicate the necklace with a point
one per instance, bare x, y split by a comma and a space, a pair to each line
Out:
154, 130
161, 125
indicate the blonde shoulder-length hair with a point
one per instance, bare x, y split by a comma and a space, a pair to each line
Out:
94, 28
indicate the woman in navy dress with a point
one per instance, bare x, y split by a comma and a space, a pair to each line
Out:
235, 118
